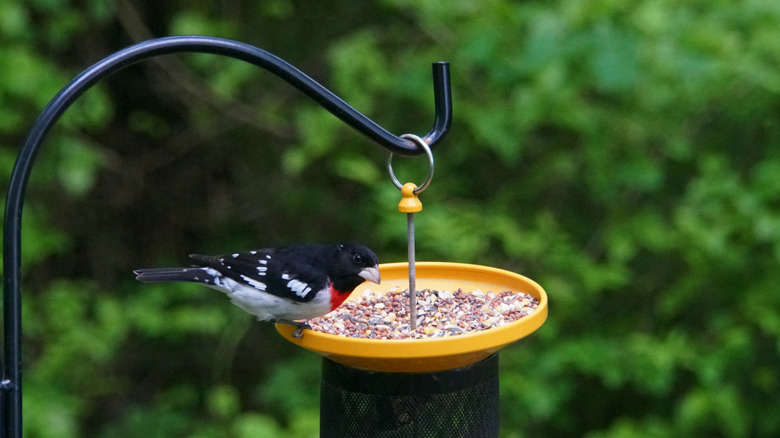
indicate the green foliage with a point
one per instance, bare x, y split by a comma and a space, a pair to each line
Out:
618, 152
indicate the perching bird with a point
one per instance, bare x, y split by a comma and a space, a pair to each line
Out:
284, 284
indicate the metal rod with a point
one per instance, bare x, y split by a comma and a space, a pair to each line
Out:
11, 383
412, 272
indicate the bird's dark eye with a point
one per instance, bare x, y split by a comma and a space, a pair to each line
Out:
357, 258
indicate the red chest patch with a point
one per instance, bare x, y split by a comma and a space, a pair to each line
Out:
336, 297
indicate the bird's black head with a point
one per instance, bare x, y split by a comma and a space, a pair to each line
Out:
353, 264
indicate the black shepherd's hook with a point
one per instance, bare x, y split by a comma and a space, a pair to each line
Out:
11, 383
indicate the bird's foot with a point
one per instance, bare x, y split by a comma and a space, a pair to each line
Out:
301, 326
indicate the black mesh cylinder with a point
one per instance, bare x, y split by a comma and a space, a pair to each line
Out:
455, 403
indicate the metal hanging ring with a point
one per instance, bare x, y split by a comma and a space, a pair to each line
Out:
424, 146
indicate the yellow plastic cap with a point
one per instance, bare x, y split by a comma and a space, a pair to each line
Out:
410, 203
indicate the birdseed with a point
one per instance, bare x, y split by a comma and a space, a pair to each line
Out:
378, 315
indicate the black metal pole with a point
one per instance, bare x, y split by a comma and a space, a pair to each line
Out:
11, 382
3, 415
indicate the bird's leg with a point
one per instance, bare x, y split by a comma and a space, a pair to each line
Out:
300, 326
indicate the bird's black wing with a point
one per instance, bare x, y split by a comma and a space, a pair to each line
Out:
296, 273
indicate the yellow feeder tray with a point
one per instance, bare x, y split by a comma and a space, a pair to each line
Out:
429, 354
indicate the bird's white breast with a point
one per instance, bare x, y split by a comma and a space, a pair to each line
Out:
268, 307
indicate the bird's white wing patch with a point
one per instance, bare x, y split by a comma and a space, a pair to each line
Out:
259, 285
300, 288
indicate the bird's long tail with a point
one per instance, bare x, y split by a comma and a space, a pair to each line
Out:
163, 275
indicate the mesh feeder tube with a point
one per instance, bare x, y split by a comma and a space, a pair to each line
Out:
362, 403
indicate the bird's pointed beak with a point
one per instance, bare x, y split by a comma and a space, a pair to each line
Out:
371, 274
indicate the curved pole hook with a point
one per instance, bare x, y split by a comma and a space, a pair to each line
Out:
10, 383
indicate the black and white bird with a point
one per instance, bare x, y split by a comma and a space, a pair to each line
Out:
284, 284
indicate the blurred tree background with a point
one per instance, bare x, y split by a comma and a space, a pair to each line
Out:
624, 154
